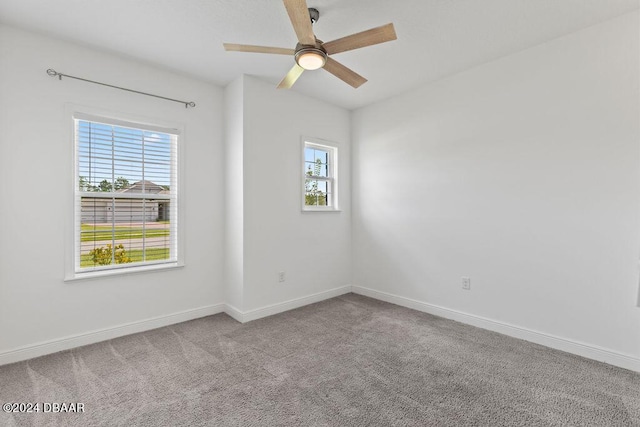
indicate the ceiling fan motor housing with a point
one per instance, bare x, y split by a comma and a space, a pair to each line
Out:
311, 57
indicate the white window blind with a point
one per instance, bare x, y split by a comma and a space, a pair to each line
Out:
126, 199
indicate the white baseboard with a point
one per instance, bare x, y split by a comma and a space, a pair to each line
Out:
570, 346
270, 310
581, 349
66, 343
54, 346
234, 312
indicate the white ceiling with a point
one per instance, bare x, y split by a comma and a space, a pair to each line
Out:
436, 38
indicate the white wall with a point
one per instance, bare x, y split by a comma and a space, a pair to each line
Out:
36, 188
312, 248
240, 229
523, 174
234, 193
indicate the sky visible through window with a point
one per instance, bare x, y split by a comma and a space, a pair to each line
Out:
313, 156
108, 152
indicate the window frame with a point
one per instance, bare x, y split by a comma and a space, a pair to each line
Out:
72, 270
332, 173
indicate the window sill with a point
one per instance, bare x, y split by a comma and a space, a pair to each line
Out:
320, 210
75, 277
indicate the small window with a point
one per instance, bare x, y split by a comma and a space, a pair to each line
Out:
320, 184
126, 200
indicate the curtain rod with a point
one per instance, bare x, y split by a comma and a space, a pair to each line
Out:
54, 73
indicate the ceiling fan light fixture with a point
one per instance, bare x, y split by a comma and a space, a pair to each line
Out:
311, 58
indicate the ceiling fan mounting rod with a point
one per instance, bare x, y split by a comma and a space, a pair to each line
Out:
314, 14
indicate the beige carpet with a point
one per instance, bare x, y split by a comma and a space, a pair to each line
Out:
348, 361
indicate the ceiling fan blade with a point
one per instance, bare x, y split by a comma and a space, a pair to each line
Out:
343, 73
301, 21
257, 49
370, 37
291, 77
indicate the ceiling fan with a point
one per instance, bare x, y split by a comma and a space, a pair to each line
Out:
311, 53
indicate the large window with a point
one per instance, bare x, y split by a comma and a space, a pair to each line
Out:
125, 195
320, 176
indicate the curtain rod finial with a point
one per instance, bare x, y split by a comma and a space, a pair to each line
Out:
54, 73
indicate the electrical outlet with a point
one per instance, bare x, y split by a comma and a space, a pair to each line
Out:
466, 283
281, 276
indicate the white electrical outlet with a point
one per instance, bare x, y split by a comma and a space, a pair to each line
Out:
281, 276
466, 283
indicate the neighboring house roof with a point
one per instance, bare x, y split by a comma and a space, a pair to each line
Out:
149, 187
